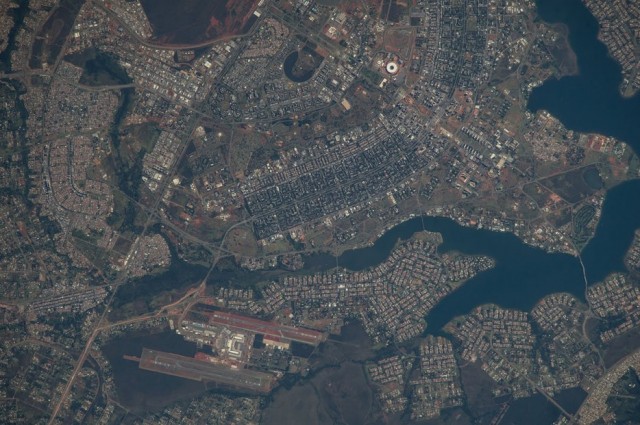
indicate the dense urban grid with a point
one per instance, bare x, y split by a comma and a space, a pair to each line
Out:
176, 198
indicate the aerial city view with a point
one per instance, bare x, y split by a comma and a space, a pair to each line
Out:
324, 212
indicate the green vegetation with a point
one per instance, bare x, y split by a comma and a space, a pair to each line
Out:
581, 220
96, 255
127, 168
572, 186
129, 181
371, 76
560, 218
140, 296
624, 400
90, 238
126, 215
99, 68
143, 136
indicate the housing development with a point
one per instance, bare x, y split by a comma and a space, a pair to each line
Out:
319, 211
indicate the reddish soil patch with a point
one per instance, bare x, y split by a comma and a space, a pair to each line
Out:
188, 22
